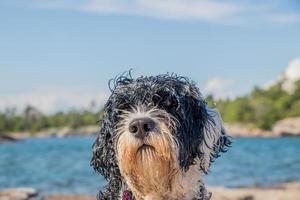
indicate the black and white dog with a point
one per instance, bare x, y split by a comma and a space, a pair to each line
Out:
157, 139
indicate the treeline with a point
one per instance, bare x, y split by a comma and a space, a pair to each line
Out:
32, 120
262, 108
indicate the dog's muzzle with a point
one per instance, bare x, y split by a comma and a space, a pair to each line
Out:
141, 127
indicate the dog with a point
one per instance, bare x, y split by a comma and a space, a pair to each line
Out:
157, 140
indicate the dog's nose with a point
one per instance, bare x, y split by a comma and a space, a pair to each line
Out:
140, 127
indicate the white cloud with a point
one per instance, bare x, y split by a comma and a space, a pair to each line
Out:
50, 100
292, 71
285, 18
232, 12
227, 12
219, 88
288, 77
291, 74
169, 9
271, 83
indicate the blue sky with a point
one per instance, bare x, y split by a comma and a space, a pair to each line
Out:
61, 53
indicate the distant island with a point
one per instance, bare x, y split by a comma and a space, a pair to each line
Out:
267, 112
270, 111
33, 123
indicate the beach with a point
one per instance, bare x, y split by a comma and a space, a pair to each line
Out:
286, 191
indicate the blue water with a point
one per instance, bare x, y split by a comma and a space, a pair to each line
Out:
61, 165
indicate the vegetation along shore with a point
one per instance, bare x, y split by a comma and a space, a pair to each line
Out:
264, 112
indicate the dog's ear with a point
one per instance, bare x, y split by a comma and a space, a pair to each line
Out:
104, 157
103, 153
215, 139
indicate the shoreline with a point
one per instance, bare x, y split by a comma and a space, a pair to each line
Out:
289, 127
12, 138
283, 191
16, 137
59, 132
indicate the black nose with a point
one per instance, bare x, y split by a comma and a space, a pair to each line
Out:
140, 127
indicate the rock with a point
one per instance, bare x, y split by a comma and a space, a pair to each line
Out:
50, 132
12, 137
53, 132
244, 130
20, 194
67, 131
6, 138
86, 130
288, 126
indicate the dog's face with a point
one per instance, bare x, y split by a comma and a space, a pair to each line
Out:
152, 129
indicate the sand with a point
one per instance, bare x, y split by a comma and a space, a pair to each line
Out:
287, 191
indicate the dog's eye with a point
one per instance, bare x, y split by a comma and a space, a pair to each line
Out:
170, 102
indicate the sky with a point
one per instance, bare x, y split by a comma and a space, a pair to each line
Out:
60, 54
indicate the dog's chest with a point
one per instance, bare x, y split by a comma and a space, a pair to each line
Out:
184, 186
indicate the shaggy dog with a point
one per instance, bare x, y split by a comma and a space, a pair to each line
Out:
157, 139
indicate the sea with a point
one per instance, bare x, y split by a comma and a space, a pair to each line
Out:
62, 165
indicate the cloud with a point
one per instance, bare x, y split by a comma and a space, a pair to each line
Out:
288, 77
218, 87
285, 18
291, 74
167, 9
49, 100
292, 71
227, 11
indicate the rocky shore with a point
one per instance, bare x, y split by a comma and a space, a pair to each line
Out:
286, 191
51, 132
285, 127
21, 194
245, 130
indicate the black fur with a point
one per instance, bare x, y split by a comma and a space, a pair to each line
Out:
177, 95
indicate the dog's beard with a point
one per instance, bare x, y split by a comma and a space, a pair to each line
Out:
148, 165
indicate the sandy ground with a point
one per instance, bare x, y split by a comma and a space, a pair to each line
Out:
287, 191
70, 197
